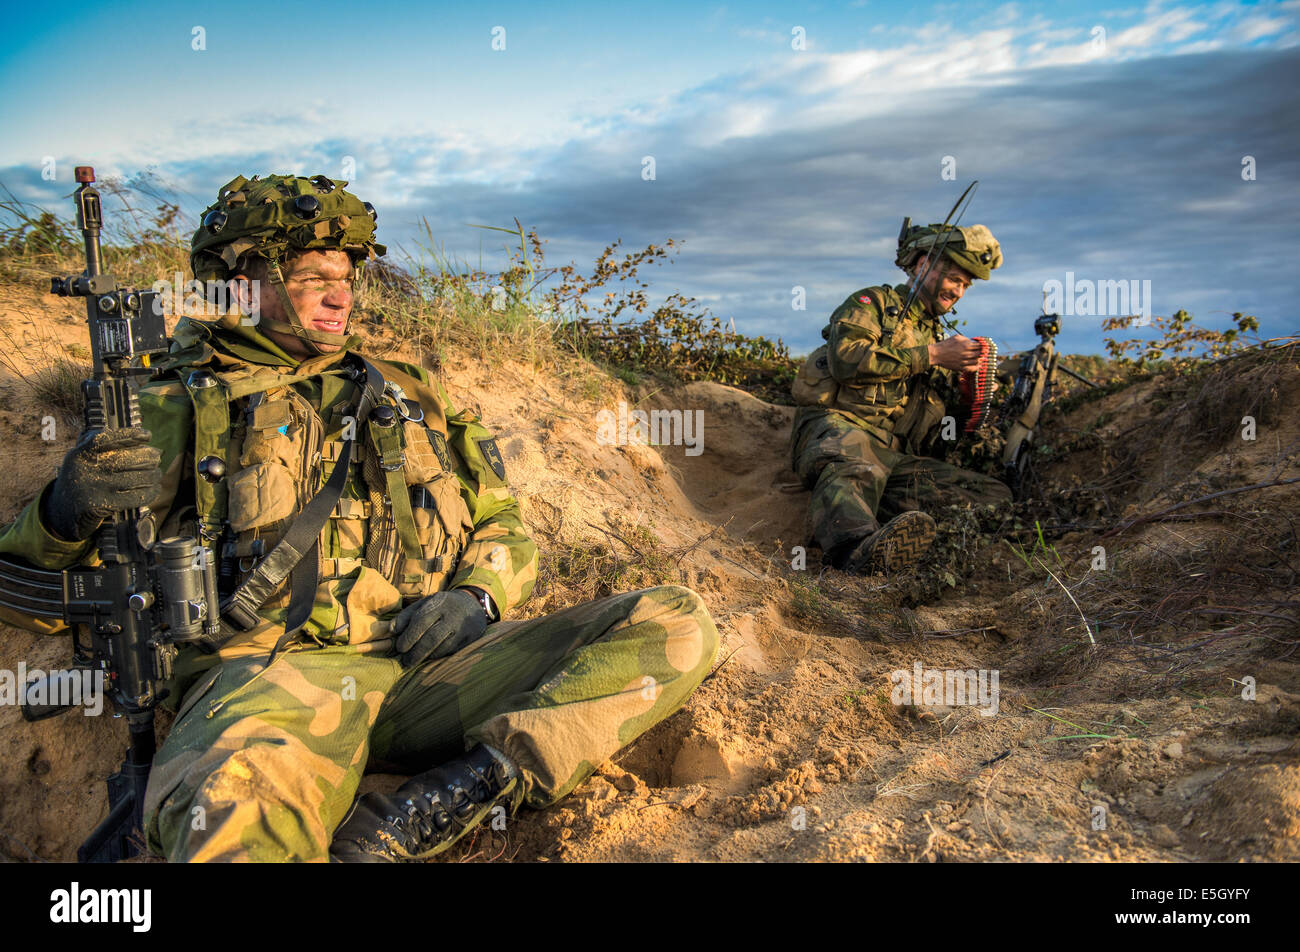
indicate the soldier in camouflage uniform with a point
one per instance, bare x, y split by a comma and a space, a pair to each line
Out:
391, 655
866, 406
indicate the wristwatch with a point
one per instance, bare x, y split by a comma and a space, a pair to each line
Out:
484, 599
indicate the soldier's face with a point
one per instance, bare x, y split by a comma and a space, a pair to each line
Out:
944, 286
320, 286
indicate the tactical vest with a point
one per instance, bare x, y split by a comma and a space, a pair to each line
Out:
401, 511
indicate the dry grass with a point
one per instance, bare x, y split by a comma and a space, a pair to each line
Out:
1169, 615
55, 383
577, 567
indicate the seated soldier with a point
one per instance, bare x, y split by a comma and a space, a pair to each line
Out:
865, 406
394, 653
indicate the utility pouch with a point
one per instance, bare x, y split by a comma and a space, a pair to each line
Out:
813, 385
422, 462
923, 412
261, 494
443, 525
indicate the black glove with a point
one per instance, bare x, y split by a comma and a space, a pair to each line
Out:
438, 625
107, 471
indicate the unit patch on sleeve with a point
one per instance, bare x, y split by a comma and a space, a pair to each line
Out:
488, 447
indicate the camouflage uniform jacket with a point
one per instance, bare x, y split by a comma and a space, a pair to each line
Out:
873, 361
284, 427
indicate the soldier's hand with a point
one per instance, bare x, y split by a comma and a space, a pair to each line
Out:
956, 353
438, 625
107, 471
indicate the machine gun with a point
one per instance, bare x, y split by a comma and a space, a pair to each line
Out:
145, 596
1030, 392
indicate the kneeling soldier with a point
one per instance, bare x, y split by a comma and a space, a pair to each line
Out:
865, 407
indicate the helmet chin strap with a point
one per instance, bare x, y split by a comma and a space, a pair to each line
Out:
926, 298
312, 338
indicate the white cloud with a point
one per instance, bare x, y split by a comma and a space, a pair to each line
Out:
1256, 27
1200, 46
1167, 27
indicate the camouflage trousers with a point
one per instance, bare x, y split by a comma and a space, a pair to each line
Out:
263, 763
858, 482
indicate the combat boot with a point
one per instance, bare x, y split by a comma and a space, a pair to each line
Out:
896, 547
429, 812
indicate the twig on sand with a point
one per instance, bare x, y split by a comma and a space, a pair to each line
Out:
1086, 626
720, 664
901, 791
27, 849
680, 554
987, 825
1139, 520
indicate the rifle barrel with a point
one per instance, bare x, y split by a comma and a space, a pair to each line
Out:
1081, 379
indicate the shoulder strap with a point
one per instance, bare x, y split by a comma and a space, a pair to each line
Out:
211, 443
386, 438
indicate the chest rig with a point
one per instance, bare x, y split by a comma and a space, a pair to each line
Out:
307, 478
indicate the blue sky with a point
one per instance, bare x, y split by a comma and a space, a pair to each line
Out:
1108, 138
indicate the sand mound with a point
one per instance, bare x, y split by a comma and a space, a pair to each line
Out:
793, 749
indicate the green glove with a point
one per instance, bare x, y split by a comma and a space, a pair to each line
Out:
438, 625
106, 472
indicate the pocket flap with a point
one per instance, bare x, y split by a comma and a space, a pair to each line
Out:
271, 415
371, 602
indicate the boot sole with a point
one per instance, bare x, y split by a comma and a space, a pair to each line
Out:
899, 545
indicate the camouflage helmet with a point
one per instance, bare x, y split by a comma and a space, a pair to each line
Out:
268, 217
271, 217
972, 248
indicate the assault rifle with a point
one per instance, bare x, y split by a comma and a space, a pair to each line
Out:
146, 596
1030, 392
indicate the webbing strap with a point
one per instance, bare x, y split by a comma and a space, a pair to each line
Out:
387, 441
240, 607
266, 382
302, 587
211, 439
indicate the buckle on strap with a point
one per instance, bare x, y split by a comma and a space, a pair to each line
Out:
408, 409
239, 615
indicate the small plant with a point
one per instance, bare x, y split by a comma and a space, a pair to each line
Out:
859, 698
679, 338
1181, 345
1041, 546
